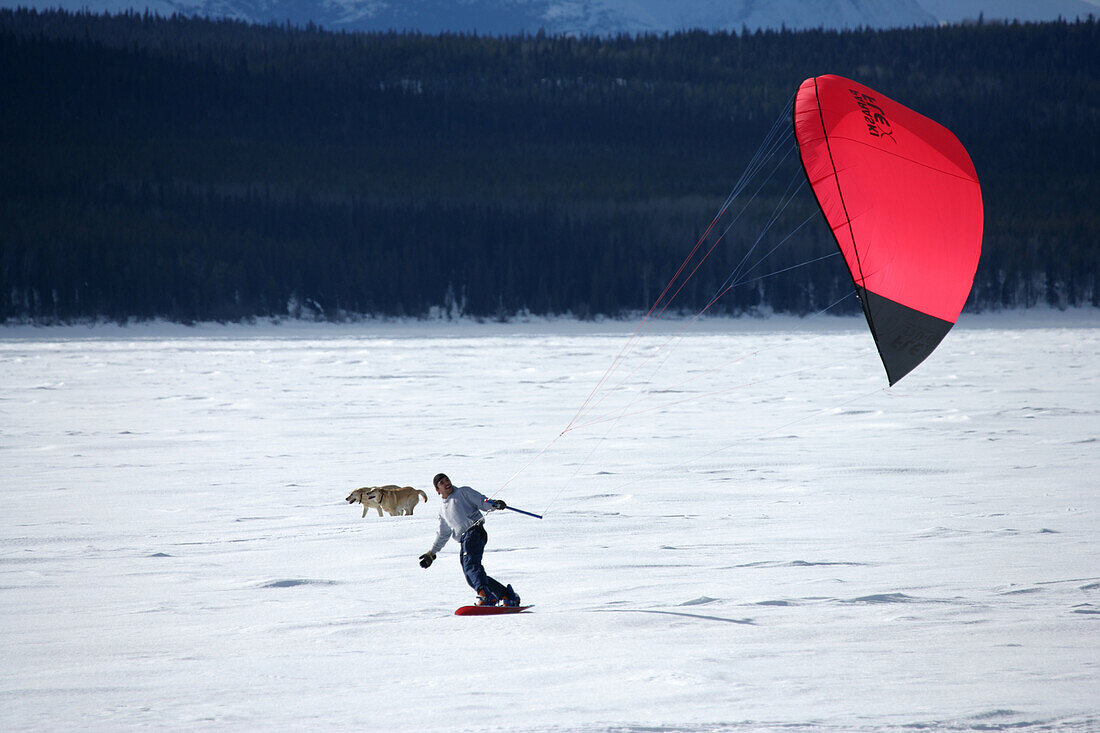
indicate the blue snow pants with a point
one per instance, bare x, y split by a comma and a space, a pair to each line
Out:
473, 547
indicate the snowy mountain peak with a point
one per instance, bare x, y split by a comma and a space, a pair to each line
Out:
593, 17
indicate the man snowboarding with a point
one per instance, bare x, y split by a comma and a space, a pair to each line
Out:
460, 517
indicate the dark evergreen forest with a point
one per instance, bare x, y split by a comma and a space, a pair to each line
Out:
213, 170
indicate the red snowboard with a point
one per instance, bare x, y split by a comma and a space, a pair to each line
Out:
489, 610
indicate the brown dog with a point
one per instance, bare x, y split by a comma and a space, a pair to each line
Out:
396, 500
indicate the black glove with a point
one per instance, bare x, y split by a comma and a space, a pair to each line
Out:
499, 504
426, 559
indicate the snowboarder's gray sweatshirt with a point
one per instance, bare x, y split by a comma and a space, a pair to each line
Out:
460, 511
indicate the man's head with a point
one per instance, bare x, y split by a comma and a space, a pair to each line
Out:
442, 485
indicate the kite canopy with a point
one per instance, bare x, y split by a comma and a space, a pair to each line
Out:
903, 201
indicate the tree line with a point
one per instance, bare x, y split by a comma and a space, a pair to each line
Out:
193, 169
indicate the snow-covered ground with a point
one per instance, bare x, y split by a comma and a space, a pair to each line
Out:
750, 532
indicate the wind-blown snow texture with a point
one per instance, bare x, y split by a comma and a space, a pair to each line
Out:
809, 551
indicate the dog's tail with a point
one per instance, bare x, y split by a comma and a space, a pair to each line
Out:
423, 494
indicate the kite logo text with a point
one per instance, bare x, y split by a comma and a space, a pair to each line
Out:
877, 124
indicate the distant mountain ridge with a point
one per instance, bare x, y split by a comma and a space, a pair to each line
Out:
591, 17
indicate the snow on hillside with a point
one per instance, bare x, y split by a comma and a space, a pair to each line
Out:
598, 17
954, 11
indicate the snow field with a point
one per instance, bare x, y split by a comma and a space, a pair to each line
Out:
807, 551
